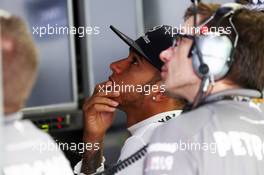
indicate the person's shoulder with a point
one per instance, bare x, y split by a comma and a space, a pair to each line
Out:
25, 130
223, 115
141, 138
145, 135
34, 132
39, 138
146, 132
187, 124
29, 145
131, 145
232, 113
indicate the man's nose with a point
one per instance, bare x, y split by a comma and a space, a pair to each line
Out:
118, 66
166, 55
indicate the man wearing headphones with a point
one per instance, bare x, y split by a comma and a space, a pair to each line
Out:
220, 74
146, 108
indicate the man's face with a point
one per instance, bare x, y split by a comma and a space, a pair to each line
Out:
133, 70
177, 72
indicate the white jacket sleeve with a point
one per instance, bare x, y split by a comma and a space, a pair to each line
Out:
78, 166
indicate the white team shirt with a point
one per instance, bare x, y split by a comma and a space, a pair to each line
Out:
140, 136
29, 151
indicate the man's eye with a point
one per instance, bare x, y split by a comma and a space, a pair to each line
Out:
179, 40
134, 61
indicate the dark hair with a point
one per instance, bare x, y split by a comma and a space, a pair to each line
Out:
204, 10
243, 1
247, 69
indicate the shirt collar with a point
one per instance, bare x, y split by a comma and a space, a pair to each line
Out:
234, 92
8, 119
161, 117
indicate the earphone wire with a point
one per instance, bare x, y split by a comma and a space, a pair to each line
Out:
126, 162
205, 79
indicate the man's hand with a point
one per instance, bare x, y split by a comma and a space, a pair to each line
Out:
99, 112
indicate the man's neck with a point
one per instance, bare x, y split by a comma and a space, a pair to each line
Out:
135, 115
140, 113
11, 110
218, 87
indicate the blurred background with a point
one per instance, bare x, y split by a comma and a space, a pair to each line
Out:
71, 65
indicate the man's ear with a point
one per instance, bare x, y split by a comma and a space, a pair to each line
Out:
7, 45
160, 96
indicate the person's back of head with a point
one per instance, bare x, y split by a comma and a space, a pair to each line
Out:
247, 68
19, 62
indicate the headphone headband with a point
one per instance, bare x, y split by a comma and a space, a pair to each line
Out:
215, 50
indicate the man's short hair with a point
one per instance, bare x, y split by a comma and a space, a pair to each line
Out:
204, 10
19, 61
247, 69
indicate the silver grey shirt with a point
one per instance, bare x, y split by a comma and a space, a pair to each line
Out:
224, 137
29, 151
